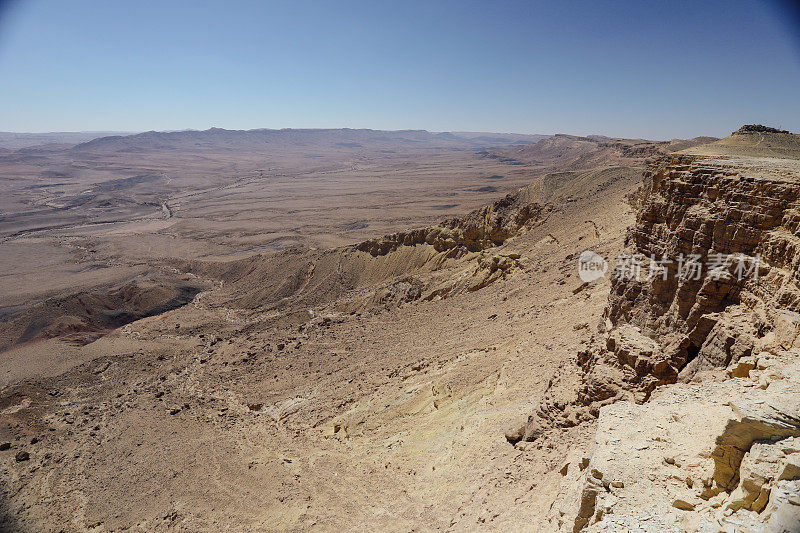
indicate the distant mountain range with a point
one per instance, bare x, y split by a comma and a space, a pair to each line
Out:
249, 139
260, 139
14, 141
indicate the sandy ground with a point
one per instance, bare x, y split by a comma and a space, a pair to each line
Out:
217, 417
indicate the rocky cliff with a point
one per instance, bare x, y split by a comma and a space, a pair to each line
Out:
482, 228
724, 239
694, 375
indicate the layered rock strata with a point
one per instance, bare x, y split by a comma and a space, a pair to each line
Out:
694, 371
483, 228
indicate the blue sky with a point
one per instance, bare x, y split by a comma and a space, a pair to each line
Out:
648, 69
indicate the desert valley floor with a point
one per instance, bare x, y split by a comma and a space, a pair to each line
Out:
346, 329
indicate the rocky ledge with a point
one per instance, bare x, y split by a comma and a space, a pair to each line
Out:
480, 229
757, 128
694, 374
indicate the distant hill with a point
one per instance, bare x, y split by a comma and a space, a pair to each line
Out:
15, 141
516, 138
571, 152
754, 140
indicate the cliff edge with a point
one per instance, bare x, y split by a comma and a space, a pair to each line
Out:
694, 374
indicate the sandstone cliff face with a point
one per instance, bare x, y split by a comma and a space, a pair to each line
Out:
712, 351
741, 226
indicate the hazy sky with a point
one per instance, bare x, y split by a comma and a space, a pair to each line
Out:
651, 69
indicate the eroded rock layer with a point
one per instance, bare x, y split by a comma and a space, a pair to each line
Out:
717, 241
705, 332
483, 228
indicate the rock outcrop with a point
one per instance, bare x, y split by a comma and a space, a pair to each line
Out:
718, 455
483, 228
756, 128
725, 242
693, 374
